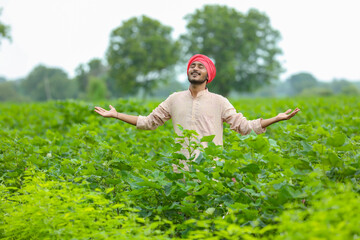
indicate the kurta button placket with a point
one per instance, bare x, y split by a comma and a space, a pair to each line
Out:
193, 113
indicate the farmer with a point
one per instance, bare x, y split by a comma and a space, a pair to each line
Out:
198, 109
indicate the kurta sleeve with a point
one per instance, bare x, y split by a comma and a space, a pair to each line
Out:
238, 122
156, 118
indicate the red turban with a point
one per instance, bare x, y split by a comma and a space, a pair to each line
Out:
209, 65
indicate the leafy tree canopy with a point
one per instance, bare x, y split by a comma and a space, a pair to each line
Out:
244, 46
96, 89
300, 81
45, 83
94, 68
4, 30
8, 91
343, 86
140, 55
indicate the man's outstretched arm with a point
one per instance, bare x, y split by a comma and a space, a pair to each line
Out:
280, 117
114, 114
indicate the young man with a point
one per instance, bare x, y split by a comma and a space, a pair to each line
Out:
198, 109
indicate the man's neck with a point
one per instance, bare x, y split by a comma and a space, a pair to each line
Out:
195, 89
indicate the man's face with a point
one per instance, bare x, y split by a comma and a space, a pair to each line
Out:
197, 73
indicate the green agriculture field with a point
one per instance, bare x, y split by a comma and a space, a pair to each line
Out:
68, 173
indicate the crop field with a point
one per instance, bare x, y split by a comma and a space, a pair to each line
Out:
68, 173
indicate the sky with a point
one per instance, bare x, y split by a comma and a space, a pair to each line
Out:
321, 37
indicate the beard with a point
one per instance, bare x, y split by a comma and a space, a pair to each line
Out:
196, 82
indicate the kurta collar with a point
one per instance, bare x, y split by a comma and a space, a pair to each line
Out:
202, 92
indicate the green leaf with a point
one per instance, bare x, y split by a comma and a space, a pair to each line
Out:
251, 168
332, 159
207, 138
259, 144
203, 191
336, 140
179, 156
160, 163
180, 127
118, 205
108, 190
210, 211
306, 146
174, 176
297, 135
149, 184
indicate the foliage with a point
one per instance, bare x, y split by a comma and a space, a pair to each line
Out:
316, 91
350, 90
9, 91
4, 30
301, 81
44, 83
94, 68
82, 79
306, 85
97, 89
67, 173
140, 56
65, 210
169, 88
331, 215
244, 46
342, 86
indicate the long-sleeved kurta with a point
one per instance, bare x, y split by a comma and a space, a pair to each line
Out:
205, 114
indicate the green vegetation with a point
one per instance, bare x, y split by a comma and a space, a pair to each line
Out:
4, 30
244, 46
67, 173
306, 85
143, 56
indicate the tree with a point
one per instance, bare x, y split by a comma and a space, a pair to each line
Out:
97, 89
244, 46
301, 81
97, 68
350, 90
94, 68
45, 83
4, 30
140, 56
81, 78
343, 86
8, 91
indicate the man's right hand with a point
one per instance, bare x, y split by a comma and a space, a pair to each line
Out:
111, 113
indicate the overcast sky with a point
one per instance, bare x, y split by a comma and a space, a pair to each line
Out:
318, 36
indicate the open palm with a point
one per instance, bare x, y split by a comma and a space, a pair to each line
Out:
287, 115
105, 113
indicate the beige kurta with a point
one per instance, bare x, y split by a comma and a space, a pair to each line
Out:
205, 114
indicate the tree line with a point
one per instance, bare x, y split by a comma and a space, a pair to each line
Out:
305, 84
143, 59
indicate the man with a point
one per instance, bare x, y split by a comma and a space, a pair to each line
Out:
198, 109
